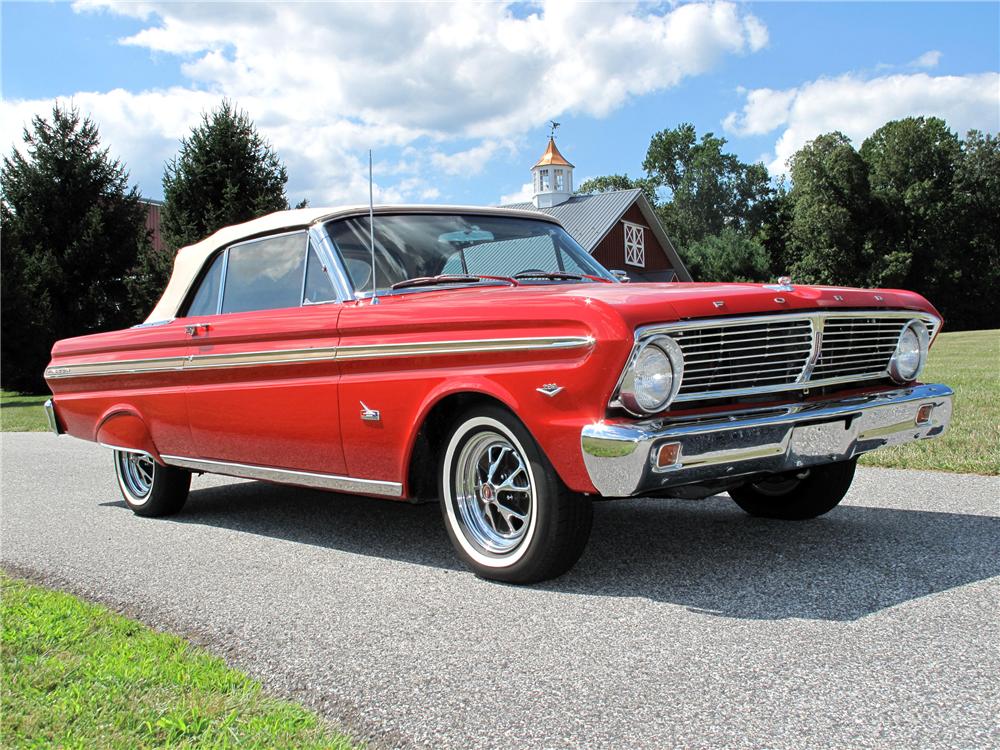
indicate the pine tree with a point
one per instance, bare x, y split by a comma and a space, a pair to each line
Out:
72, 232
225, 173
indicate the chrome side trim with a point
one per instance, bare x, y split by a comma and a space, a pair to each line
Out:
332, 482
127, 450
50, 414
245, 359
373, 351
121, 367
318, 354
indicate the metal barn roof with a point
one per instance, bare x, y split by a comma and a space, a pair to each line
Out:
588, 218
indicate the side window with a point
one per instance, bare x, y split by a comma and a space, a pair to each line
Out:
265, 274
319, 288
206, 299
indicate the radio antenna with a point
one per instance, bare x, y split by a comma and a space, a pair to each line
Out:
371, 226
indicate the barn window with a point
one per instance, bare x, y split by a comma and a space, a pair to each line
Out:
545, 179
635, 245
560, 184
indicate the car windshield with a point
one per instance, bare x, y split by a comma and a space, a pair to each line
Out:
451, 246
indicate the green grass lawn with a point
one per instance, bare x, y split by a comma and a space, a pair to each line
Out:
968, 361
76, 675
22, 413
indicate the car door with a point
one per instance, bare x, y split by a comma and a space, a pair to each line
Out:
263, 377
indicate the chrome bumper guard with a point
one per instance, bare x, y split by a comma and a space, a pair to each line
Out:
622, 458
50, 413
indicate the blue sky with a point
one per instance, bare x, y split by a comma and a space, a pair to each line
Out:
455, 99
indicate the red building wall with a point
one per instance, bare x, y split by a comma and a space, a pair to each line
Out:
153, 224
610, 252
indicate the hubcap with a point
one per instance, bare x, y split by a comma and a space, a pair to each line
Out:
494, 493
137, 474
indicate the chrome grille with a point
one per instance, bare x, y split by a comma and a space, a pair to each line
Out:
718, 358
768, 353
857, 346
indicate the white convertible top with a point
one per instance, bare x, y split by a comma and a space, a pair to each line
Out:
191, 259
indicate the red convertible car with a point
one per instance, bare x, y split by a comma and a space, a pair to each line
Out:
481, 357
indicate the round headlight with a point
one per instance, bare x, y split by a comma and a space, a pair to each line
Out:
654, 377
911, 353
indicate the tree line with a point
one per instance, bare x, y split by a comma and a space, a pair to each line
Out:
77, 257
914, 207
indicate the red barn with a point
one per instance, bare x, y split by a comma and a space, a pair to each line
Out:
153, 209
619, 228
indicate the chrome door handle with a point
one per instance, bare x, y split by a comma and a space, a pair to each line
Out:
193, 329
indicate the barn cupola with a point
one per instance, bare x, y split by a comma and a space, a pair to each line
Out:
552, 176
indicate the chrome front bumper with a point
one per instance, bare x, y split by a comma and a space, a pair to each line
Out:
621, 457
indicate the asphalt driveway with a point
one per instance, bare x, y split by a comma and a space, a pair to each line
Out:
686, 624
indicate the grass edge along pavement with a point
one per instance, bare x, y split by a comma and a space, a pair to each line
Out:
77, 675
968, 361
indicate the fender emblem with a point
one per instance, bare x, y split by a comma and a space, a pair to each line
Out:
369, 415
549, 389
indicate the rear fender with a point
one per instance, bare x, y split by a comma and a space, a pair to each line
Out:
121, 427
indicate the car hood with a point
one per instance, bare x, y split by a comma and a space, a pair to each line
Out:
645, 303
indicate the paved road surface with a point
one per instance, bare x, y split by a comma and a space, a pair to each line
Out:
686, 624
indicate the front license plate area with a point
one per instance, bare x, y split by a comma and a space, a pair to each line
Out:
826, 441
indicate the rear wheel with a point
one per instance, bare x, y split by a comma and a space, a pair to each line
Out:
509, 516
149, 488
806, 493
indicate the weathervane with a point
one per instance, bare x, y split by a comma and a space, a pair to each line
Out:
552, 130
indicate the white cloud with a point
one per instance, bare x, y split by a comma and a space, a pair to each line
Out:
525, 194
857, 107
326, 81
928, 60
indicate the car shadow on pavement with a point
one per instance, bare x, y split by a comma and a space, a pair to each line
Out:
706, 555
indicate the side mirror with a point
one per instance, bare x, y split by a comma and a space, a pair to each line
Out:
620, 275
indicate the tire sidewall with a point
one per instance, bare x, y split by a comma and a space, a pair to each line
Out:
133, 502
463, 431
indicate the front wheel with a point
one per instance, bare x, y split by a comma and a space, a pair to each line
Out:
149, 488
798, 495
509, 516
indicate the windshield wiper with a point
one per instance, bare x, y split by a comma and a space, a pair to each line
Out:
449, 278
550, 275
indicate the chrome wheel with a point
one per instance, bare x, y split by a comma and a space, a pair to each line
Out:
493, 492
136, 471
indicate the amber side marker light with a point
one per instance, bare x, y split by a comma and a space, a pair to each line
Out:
668, 455
924, 414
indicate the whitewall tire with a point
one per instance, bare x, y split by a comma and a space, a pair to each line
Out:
509, 516
150, 488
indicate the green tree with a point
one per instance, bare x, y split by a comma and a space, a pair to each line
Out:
709, 189
968, 296
911, 166
612, 182
728, 256
225, 173
72, 231
830, 208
